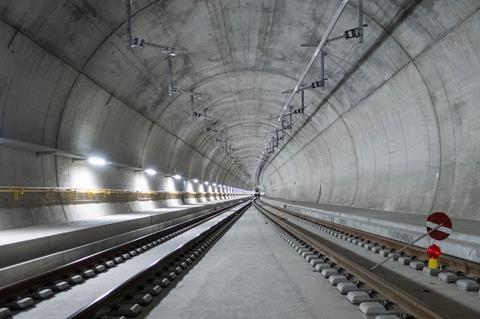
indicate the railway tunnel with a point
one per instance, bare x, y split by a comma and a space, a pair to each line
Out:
239, 159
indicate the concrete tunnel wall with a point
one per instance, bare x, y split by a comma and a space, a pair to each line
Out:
52, 93
401, 131
394, 129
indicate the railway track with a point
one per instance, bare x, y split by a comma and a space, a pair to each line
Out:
380, 294
128, 298
21, 298
458, 265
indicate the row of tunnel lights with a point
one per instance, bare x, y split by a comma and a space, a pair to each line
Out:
98, 161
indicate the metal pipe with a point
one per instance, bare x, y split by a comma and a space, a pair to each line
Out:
303, 99
128, 8
322, 67
170, 76
360, 20
322, 42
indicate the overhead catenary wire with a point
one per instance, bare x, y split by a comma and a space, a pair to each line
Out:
299, 84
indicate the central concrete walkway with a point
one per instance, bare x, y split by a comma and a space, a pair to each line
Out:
252, 273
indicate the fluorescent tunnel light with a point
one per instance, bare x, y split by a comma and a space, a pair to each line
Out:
97, 161
151, 171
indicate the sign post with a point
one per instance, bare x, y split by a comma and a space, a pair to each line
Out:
439, 227
440, 233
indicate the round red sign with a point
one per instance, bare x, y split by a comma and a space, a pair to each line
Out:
442, 222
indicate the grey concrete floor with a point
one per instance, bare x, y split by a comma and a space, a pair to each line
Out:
252, 273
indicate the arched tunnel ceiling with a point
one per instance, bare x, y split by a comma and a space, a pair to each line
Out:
242, 55
394, 128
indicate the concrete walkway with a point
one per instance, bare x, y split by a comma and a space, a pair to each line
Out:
463, 242
27, 251
21, 244
252, 273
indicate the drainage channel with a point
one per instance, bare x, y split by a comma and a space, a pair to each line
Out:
135, 294
378, 296
22, 296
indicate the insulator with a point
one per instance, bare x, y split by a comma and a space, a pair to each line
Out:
137, 42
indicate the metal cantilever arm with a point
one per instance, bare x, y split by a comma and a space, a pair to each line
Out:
318, 50
140, 42
165, 49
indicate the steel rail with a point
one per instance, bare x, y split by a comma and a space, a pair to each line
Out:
93, 309
398, 296
44, 279
318, 50
455, 263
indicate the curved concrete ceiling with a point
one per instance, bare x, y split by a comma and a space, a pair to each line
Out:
394, 128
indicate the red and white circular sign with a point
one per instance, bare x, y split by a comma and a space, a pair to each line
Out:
436, 219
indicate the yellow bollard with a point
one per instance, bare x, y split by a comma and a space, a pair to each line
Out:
432, 263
